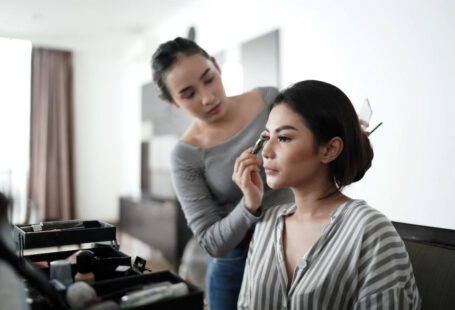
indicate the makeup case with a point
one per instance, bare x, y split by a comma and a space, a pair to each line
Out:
111, 280
101, 236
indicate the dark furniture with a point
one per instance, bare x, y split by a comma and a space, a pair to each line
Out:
192, 300
158, 222
432, 254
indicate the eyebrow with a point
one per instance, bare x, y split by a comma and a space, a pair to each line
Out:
285, 127
202, 76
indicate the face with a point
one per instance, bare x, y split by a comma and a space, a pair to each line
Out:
194, 83
290, 155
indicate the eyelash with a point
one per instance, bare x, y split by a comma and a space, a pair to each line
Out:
208, 81
189, 96
282, 139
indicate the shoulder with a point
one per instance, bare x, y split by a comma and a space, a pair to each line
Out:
268, 94
179, 150
370, 222
253, 95
364, 214
263, 95
185, 154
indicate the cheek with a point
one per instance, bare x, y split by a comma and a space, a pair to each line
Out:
218, 85
300, 164
298, 157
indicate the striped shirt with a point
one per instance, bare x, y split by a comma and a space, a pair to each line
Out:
359, 262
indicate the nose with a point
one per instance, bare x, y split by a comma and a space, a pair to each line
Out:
267, 150
207, 98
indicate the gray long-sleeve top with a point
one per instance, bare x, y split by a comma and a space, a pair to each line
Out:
211, 201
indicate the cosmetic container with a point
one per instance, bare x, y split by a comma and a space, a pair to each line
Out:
152, 295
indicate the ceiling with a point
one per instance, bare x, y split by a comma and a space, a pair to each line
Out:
77, 19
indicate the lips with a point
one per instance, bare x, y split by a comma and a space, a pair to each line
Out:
215, 109
270, 171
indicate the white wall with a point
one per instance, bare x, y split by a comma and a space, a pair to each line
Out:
107, 122
399, 54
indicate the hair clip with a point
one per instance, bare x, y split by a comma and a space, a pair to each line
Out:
370, 132
364, 117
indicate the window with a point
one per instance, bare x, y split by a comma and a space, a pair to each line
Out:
15, 80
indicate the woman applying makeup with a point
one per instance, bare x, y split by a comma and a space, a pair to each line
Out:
203, 160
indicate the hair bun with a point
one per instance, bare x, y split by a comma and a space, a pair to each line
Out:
366, 157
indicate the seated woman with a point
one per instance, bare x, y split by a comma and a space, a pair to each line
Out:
326, 250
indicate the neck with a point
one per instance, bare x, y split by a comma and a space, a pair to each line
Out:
317, 200
227, 118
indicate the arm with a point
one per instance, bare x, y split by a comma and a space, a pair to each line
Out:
386, 280
216, 232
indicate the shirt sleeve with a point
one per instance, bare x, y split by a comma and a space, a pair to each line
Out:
386, 280
393, 298
12, 290
244, 300
216, 232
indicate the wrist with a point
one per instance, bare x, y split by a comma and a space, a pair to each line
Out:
256, 211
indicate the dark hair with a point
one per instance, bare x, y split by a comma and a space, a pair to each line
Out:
329, 113
166, 55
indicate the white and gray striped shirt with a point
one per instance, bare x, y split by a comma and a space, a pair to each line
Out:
359, 262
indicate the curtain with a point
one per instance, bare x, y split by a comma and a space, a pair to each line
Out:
51, 180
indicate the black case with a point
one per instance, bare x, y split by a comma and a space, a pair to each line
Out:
116, 288
58, 233
108, 282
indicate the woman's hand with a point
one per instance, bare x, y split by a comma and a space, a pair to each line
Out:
246, 176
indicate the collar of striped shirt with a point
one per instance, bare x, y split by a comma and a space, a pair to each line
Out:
290, 209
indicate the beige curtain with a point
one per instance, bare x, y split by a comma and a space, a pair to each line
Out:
51, 183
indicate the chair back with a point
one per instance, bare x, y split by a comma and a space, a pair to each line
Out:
432, 254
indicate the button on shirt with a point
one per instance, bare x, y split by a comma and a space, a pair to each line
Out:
359, 262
